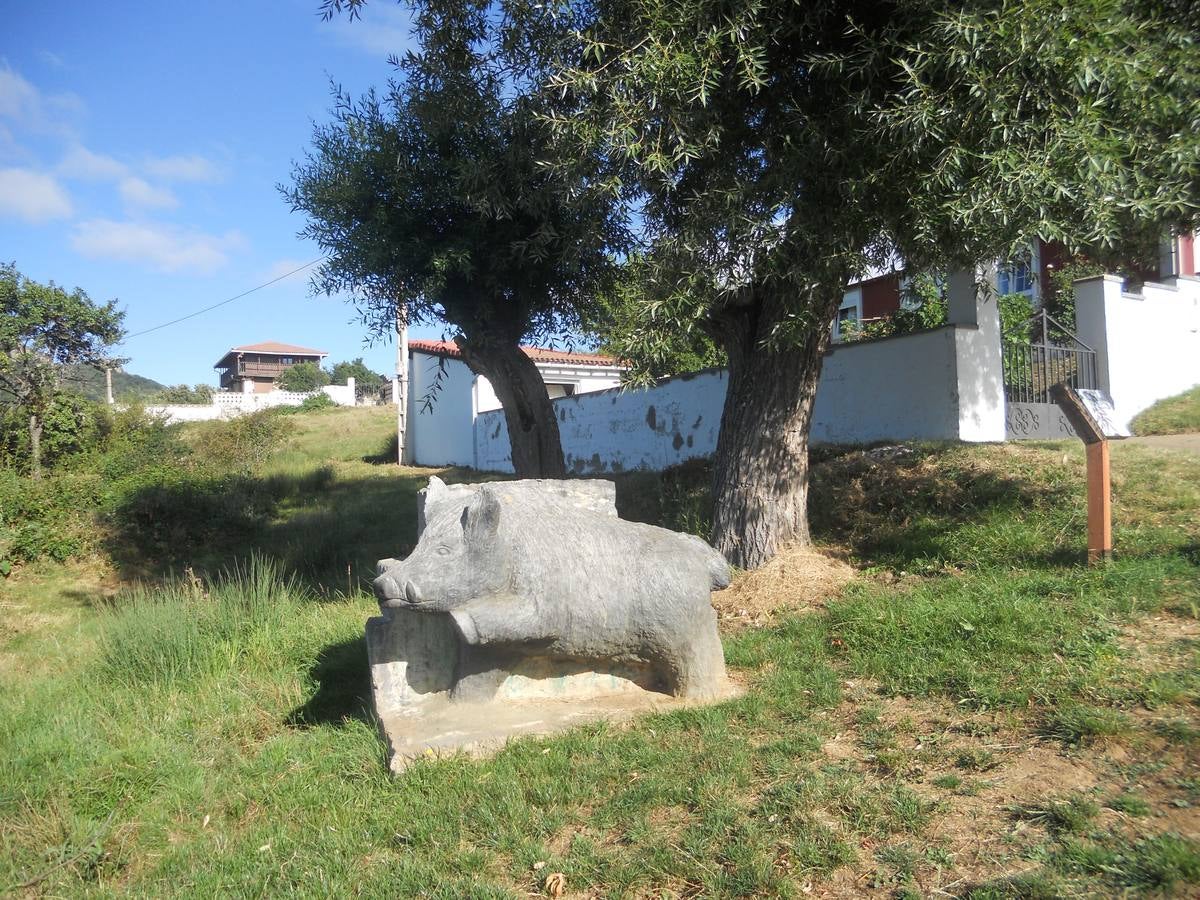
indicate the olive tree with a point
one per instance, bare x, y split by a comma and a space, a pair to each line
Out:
435, 197
782, 148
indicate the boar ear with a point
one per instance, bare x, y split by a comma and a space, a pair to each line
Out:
481, 518
435, 489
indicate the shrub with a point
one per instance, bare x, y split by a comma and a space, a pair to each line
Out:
303, 377
243, 443
71, 425
317, 401
181, 393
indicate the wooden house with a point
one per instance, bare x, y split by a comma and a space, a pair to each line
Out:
254, 367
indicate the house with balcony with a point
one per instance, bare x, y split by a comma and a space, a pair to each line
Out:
253, 368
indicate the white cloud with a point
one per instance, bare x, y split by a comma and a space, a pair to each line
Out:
50, 58
192, 167
168, 248
32, 196
80, 162
283, 267
381, 30
138, 193
33, 110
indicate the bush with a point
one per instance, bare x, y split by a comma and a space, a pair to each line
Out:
317, 401
71, 425
303, 377
181, 393
243, 443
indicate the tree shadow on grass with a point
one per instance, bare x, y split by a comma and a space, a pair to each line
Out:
343, 693
327, 531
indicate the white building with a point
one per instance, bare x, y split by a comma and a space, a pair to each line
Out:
445, 397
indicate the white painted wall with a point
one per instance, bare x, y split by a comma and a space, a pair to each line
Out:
1147, 344
906, 387
616, 430
227, 404
897, 388
442, 432
585, 378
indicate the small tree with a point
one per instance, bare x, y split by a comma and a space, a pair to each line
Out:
42, 329
365, 381
303, 377
436, 196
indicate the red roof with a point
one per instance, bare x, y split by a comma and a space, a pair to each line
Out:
276, 347
537, 354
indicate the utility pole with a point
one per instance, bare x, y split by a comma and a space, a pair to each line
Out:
401, 381
108, 397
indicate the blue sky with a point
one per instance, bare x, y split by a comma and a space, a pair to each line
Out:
140, 149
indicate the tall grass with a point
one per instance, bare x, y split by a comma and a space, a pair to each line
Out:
187, 627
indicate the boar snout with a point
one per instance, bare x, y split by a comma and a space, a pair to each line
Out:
392, 593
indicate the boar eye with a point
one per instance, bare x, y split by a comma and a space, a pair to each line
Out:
443, 551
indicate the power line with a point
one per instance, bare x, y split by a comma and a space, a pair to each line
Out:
223, 302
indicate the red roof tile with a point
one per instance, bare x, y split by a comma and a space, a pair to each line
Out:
276, 347
537, 354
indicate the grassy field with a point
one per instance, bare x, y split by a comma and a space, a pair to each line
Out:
975, 713
1175, 415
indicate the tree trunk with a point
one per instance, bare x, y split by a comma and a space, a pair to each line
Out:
760, 471
35, 446
532, 425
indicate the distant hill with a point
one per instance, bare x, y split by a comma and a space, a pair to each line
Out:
90, 383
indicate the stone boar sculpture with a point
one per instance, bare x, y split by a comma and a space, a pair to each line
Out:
541, 569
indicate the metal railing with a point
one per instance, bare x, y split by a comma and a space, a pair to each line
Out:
1031, 368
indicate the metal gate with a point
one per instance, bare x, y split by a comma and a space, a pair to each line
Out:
1052, 354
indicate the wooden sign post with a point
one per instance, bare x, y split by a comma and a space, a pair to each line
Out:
1092, 416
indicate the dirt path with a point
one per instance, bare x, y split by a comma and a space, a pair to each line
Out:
1188, 442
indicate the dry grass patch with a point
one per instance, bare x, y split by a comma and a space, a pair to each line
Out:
797, 579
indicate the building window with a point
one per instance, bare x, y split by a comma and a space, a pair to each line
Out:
1015, 278
846, 323
285, 360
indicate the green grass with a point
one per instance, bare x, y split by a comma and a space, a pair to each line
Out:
210, 733
1174, 415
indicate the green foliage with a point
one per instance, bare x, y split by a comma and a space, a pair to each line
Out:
1015, 315
42, 329
624, 323
185, 629
924, 307
243, 443
1174, 415
317, 401
181, 393
89, 382
356, 369
70, 425
302, 377
436, 195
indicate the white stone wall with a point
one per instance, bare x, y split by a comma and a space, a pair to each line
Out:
898, 388
901, 388
227, 404
1147, 344
617, 430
